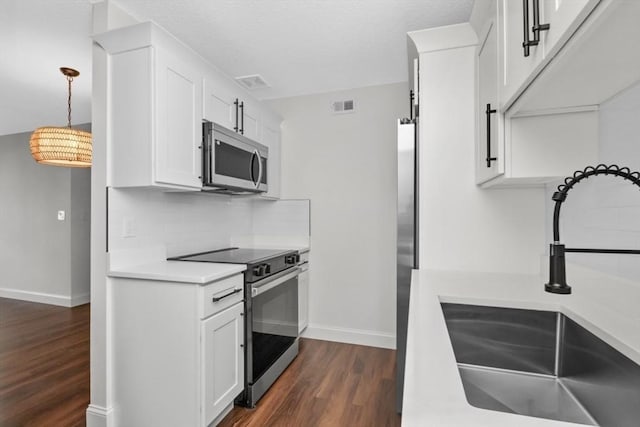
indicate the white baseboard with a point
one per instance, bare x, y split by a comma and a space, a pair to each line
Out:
44, 298
80, 299
98, 416
350, 336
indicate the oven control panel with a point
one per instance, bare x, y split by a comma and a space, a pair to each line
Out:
265, 268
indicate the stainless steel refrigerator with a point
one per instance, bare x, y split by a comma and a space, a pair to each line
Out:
407, 253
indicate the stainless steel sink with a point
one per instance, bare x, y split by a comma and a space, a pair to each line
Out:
541, 364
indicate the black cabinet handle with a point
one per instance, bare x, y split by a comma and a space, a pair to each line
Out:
537, 27
411, 98
233, 292
242, 118
525, 26
236, 104
488, 112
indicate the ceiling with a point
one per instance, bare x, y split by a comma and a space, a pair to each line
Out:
298, 46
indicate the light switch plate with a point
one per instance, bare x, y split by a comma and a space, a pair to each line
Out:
61, 215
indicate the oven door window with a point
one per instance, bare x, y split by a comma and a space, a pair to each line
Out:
275, 324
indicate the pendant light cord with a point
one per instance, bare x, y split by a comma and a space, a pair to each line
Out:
69, 79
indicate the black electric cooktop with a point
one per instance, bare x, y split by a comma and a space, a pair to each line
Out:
234, 255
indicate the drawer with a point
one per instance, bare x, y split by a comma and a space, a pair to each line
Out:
222, 294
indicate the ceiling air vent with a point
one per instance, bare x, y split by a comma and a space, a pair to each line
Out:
254, 81
341, 107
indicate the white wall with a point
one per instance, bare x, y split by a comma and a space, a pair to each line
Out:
346, 165
42, 259
604, 211
463, 227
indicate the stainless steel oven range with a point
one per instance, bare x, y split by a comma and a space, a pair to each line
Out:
271, 313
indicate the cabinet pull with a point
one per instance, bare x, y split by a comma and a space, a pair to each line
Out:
488, 112
233, 292
242, 118
537, 27
525, 26
411, 98
235, 128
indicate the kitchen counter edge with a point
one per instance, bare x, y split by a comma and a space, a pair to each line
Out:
179, 271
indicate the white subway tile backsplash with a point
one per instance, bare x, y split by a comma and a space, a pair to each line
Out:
194, 222
604, 211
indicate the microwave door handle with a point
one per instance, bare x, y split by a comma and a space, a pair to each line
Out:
253, 158
210, 156
257, 154
205, 155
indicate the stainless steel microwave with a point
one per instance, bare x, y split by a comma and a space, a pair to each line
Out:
232, 163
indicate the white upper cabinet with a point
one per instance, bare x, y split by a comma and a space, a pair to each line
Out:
519, 61
532, 36
227, 104
489, 142
160, 93
179, 121
155, 109
516, 146
249, 115
220, 102
564, 17
271, 138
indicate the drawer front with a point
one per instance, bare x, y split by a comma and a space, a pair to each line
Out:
222, 294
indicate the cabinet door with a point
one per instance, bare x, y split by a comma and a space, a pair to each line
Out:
222, 360
303, 300
517, 67
563, 17
178, 121
219, 103
250, 119
491, 145
271, 138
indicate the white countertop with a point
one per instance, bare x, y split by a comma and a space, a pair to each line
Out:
433, 393
179, 271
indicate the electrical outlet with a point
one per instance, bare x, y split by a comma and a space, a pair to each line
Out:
61, 215
129, 227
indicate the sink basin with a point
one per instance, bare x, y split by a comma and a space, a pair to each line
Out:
541, 364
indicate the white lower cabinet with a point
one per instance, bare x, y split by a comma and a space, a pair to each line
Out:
222, 360
178, 351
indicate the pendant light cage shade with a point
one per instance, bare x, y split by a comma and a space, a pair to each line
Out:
61, 146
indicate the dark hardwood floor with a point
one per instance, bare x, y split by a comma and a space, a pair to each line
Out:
44, 377
44, 364
328, 384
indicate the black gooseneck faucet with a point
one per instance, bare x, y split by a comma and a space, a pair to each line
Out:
557, 277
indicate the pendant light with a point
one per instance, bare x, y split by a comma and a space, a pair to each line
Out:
62, 146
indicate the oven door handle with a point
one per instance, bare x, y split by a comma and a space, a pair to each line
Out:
260, 288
